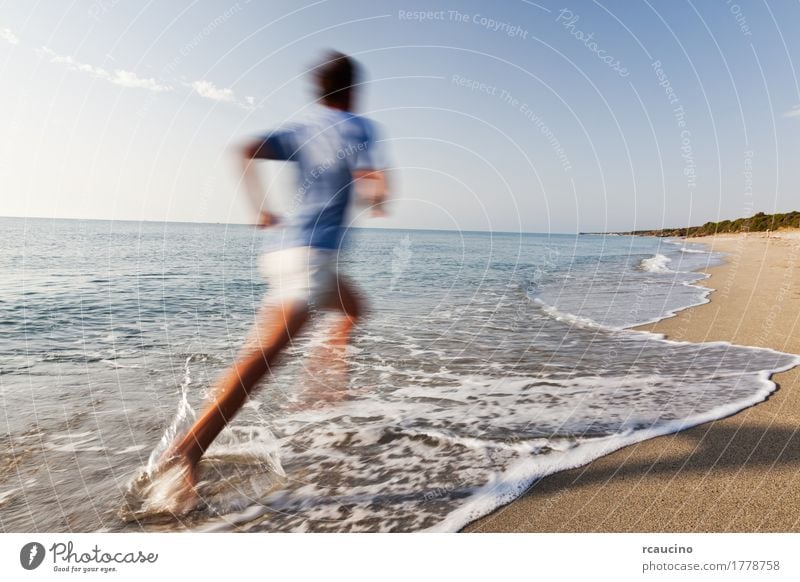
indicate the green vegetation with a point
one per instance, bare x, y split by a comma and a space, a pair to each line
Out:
757, 223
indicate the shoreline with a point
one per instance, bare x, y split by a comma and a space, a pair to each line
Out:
740, 473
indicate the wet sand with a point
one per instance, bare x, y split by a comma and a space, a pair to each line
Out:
738, 474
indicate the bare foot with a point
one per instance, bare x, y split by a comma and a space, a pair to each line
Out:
167, 491
186, 497
173, 486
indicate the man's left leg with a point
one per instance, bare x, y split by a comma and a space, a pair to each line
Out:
350, 305
326, 371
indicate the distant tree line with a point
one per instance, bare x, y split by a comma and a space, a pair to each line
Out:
757, 223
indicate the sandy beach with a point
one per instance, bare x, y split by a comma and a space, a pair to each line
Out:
737, 474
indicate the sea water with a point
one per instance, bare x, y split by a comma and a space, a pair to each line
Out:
485, 362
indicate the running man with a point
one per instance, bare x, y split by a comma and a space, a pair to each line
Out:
333, 148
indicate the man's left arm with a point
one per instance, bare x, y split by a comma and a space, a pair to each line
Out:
370, 174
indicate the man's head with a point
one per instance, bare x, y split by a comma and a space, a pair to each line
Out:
335, 78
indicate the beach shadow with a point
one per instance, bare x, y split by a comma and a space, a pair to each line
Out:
714, 477
715, 447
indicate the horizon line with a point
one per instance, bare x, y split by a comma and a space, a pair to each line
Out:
353, 227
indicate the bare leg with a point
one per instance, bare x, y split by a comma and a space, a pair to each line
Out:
349, 304
277, 328
326, 368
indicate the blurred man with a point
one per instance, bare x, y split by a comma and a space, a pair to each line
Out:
333, 148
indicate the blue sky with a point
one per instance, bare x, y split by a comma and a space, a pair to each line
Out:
541, 117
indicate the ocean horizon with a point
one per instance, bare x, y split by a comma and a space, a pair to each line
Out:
352, 227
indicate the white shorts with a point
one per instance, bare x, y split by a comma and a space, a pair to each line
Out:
304, 274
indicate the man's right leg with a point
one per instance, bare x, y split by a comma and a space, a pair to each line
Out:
277, 326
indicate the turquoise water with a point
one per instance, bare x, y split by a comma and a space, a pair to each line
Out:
486, 362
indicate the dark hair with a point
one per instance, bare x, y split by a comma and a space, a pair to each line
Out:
335, 76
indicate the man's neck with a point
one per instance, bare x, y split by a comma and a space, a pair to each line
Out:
335, 105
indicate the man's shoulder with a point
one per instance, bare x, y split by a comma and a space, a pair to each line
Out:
347, 125
358, 127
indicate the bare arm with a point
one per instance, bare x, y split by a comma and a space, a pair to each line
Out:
252, 181
376, 189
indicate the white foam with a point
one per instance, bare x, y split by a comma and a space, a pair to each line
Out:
116, 364
74, 443
570, 318
513, 482
230, 521
131, 449
73, 435
256, 443
74, 448
656, 264
7, 496
153, 494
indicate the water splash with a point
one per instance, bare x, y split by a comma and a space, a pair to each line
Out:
184, 418
240, 468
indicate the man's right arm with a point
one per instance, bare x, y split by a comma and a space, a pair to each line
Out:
252, 150
257, 149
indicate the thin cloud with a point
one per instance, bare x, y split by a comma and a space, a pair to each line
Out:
118, 77
209, 90
9, 36
123, 78
74, 65
793, 112
131, 79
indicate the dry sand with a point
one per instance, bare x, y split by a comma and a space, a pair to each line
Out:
738, 474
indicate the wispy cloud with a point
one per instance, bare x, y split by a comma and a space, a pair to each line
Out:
209, 90
8, 36
123, 78
72, 64
793, 112
117, 77
131, 79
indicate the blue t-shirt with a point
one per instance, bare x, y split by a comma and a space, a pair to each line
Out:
328, 146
